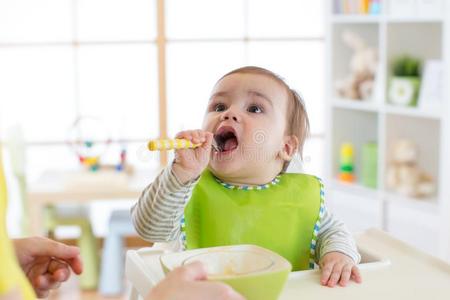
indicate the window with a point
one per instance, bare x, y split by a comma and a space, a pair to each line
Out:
61, 59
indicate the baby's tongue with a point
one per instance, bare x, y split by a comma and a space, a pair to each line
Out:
230, 144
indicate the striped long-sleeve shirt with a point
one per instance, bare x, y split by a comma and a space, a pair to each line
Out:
157, 217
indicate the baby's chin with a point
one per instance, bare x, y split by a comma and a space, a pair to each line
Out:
223, 168
227, 169
237, 165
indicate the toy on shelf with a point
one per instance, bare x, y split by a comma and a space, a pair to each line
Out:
346, 163
357, 7
405, 83
359, 84
89, 139
404, 175
369, 161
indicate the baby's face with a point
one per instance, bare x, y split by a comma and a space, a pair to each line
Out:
247, 114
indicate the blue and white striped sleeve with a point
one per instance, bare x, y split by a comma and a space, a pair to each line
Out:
333, 236
157, 214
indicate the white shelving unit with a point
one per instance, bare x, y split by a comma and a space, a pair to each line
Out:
423, 223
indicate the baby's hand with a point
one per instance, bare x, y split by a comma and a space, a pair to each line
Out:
190, 163
338, 267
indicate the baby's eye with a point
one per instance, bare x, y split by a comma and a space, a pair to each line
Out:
220, 107
255, 109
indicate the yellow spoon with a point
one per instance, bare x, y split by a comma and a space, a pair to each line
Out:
169, 144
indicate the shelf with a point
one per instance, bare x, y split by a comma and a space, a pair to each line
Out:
360, 105
425, 205
413, 112
414, 19
425, 36
358, 19
372, 106
361, 19
429, 205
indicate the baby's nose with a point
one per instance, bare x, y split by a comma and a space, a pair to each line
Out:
230, 115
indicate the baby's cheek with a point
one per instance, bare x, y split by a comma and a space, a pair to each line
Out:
207, 127
207, 123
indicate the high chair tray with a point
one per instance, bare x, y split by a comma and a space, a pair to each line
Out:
390, 270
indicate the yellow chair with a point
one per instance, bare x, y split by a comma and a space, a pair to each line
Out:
58, 215
13, 283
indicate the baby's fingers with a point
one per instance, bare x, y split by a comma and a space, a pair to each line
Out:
356, 274
208, 140
198, 137
326, 272
195, 136
187, 135
345, 275
335, 275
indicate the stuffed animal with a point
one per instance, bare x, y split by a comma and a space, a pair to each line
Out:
404, 175
359, 83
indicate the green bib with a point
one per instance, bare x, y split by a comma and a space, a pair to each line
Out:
283, 217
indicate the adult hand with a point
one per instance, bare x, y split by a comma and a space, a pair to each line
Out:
46, 263
188, 283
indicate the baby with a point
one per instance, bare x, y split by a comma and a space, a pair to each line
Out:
237, 192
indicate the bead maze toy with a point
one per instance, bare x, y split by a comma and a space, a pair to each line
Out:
89, 139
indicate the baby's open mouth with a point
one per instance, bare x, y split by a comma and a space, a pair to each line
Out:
226, 139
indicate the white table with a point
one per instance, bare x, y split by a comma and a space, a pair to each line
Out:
80, 186
390, 269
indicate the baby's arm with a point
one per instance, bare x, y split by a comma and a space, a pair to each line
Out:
336, 252
157, 214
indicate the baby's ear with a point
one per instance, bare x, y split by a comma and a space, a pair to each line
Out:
290, 146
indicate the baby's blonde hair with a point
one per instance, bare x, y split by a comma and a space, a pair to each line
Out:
297, 118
